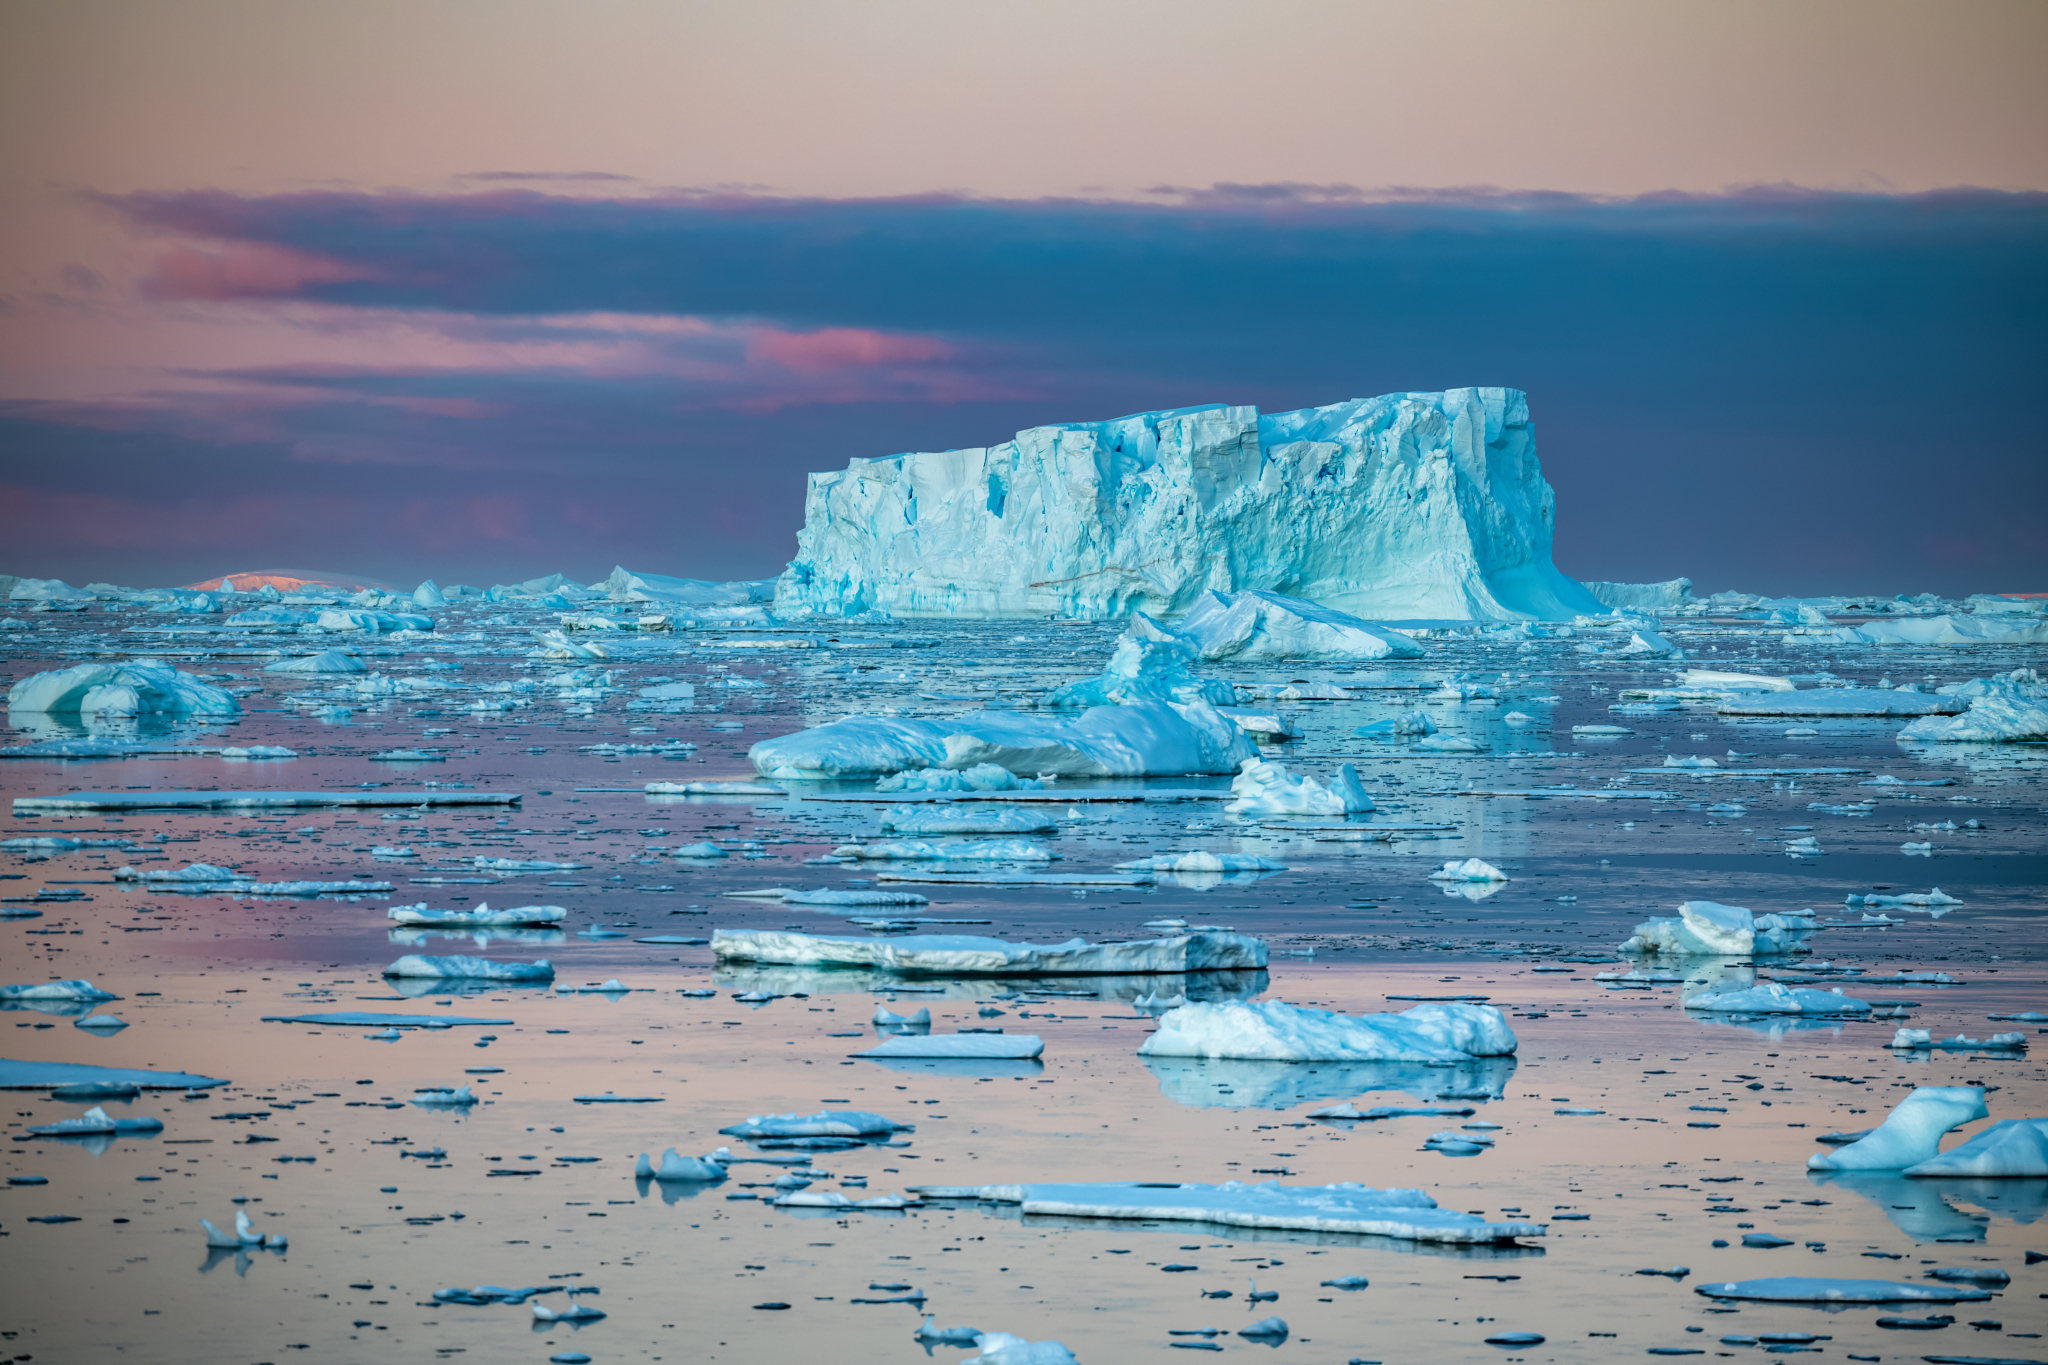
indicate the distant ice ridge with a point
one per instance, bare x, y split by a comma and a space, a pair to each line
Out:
1410, 505
2006, 708
1652, 598
1278, 1032
1707, 929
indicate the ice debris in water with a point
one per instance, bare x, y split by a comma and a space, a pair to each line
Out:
1736, 997
914, 850
929, 1332
952, 820
1264, 788
961, 1046
1201, 861
327, 661
56, 990
97, 1120
1910, 1038
1272, 1329
575, 1312
982, 777
1471, 870
1819, 1289
1414, 723
700, 851
482, 916
681, 1169
446, 1096
1910, 1134
1406, 506
470, 968
1930, 900
1705, 928
1990, 720
885, 1019
1272, 1030
824, 1123
244, 1235
1001, 1348
1257, 625
942, 954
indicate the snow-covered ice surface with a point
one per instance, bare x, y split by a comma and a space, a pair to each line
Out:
278, 1013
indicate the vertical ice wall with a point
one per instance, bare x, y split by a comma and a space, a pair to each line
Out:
1404, 506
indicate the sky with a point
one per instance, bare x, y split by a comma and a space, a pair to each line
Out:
484, 291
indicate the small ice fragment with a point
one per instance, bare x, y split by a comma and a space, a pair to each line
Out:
1471, 870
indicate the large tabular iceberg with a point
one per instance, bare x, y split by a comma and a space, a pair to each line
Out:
1410, 505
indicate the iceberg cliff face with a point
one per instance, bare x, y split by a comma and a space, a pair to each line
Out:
1410, 505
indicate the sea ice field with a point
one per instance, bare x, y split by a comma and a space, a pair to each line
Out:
500, 1002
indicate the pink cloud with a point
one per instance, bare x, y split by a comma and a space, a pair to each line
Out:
242, 270
842, 348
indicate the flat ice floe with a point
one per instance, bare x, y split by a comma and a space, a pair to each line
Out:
1841, 701
482, 916
1409, 1215
970, 1047
1275, 1031
1138, 739
1735, 997
968, 955
17, 1074
1818, 1289
825, 1123
1708, 929
469, 968
950, 819
911, 850
66, 991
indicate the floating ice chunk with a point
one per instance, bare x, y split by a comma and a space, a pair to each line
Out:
1909, 1038
1155, 1000
55, 990
1945, 629
713, 789
137, 687
1264, 788
1707, 678
370, 1019
982, 777
1471, 870
1409, 1215
1912, 850
1200, 861
269, 618
470, 968
1257, 625
948, 819
1136, 739
429, 595
523, 865
1001, 1348
244, 1235
611, 987
1275, 1031
825, 1123
482, 916
1705, 928
97, 1120
1990, 720
908, 850
2008, 1149
575, 1312
327, 661
1816, 1289
102, 1022
1910, 1134
258, 751
960, 954
448, 1096
682, 1169
1602, 730
962, 1046
931, 1334
1694, 761
1414, 723
1840, 701
700, 851
342, 618
1447, 744
22, 1075
1736, 997
884, 1018
1913, 901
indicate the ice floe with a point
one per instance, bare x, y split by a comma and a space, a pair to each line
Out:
681, 1169
960, 954
2011, 1149
1471, 870
1735, 997
910, 850
1276, 1031
137, 687
1264, 788
960, 1046
1819, 1289
1706, 928
1910, 1134
469, 968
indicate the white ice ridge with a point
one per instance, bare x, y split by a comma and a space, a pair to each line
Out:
137, 687
1406, 506
1990, 720
1707, 929
470, 968
483, 915
1137, 739
1409, 1215
969, 955
1275, 1031
1263, 788
1910, 1134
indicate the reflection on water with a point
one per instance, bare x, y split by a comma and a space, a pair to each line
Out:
1915, 1207
1211, 1083
787, 980
482, 937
